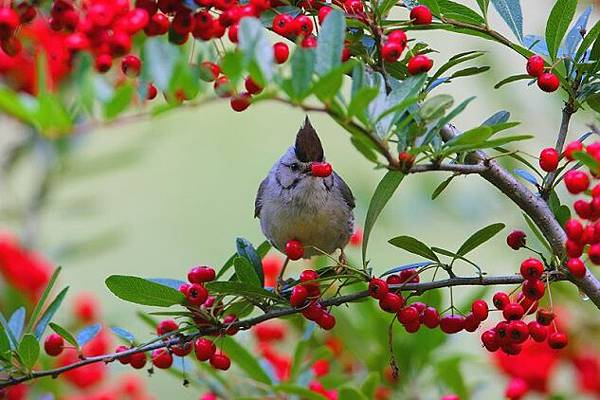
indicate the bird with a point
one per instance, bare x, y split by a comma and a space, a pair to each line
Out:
294, 204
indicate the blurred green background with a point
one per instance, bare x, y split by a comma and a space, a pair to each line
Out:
177, 190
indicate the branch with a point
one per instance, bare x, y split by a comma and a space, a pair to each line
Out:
567, 113
535, 207
458, 168
418, 288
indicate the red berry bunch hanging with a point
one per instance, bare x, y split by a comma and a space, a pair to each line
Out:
547, 81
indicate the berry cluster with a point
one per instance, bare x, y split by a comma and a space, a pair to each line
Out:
509, 334
306, 296
546, 80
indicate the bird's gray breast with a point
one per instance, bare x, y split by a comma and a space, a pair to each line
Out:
311, 209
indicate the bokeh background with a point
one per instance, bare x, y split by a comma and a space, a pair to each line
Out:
155, 197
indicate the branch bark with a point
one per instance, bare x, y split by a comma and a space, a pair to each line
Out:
418, 288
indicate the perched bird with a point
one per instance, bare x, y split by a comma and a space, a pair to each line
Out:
294, 204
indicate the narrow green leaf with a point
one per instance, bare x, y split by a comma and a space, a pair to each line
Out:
537, 233
4, 341
475, 135
240, 289
479, 238
123, 334
45, 319
511, 79
558, 22
440, 188
11, 104
159, 58
62, 332
244, 360
414, 246
455, 60
303, 63
435, 107
141, 291
256, 47
85, 335
384, 191
119, 102
299, 356
40, 304
586, 160
330, 83
331, 42
29, 351
16, 323
297, 390
351, 393
246, 250
483, 6
360, 101
245, 272
14, 342
510, 11
588, 40
459, 12
370, 385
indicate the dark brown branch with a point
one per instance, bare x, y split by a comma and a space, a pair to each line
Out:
458, 168
276, 313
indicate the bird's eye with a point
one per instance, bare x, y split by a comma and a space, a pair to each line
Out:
295, 166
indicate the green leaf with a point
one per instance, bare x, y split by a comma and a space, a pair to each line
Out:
479, 238
42, 324
245, 272
455, 60
299, 356
593, 102
586, 160
558, 22
351, 393
185, 78
52, 117
13, 341
331, 42
40, 304
470, 71
510, 11
85, 335
538, 234
588, 40
483, 6
384, 191
119, 101
141, 291
369, 386
29, 351
414, 246
511, 79
256, 47
159, 58
12, 104
4, 342
123, 334
475, 135
303, 62
329, 84
240, 289
360, 101
438, 190
449, 372
244, 360
459, 12
297, 390
246, 250
432, 5
62, 332
435, 107
16, 323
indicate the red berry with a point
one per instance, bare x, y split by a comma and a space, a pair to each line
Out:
131, 65
513, 311
166, 326
251, 86
535, 66
558, 340
430, 317
232, 33
222, 87
419, 64
125, 359
480, 310
313, 312
533, 289
158, 25
594, 253
516, 239
196, 294
391, 302
490, 340
517, 388
500, 300
240, 102
151, 92
54, 344
26, 12
162, 358
391, 51
529, 305
471, 323
302, 25
452, 323
294, 250
220, 361
201, 274
377, 288
398, 36
309, 42
103, 62
298, 296
576, 181
413, 326
548, 82
532, 268
136, 20
576, 267
409, 275
573, 229
408, 315
512, 348
545, 317
209, 71
572, 148
281, 52
583, 209
182, 350
517, 331
321, 169
406, 160
282, 24
309, 275
537, 331
204, 349
138, 360
323, 13
421, 15
9, 22
549, 159
326, 321
573, 249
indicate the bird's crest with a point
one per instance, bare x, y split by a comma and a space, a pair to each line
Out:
308, 145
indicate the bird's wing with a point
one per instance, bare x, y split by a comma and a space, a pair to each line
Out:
259, 195
345, 190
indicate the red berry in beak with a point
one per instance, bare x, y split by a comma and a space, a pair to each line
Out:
294, 250
321, 169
